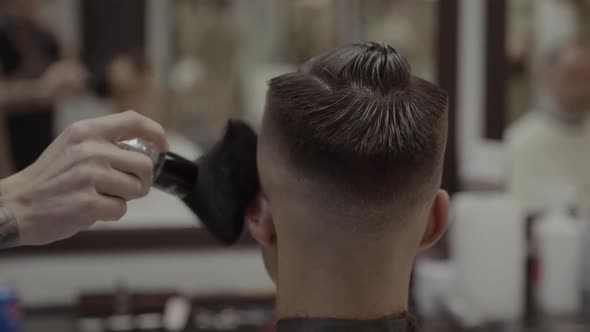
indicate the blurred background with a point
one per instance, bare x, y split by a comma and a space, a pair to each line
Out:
517, 165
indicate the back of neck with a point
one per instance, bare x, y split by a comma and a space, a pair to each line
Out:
361, 290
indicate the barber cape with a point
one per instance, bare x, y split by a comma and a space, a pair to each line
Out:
545, 149
400, 323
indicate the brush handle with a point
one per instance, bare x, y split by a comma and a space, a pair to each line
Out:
173, 174
176, 175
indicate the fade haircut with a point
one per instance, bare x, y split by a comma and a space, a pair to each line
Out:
355, 119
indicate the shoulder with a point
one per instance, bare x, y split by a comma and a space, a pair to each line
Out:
528, 130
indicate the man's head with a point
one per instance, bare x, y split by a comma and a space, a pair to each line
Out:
128, 73
130, 82
568, 75
350, 160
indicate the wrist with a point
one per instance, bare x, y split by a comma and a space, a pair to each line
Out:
9, 228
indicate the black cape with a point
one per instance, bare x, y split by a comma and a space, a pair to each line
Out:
399, 323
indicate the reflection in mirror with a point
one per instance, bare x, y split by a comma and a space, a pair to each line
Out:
534, 29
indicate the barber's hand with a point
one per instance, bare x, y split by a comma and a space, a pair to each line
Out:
81, 178
62, 78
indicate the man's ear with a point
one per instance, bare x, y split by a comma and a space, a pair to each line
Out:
259, 220
437, 221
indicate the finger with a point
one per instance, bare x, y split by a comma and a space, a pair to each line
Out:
108, 156
134, 163
110, 208
127, 125
118, 184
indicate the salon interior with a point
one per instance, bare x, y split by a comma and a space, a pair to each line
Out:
515, 257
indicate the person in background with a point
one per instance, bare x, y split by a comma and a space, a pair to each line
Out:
350, 158
130, 84
549, 146
32, 77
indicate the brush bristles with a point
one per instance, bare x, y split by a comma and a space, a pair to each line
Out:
227, 182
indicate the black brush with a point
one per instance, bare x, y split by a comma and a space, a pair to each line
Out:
218, 186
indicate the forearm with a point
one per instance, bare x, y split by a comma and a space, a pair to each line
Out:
7, 183
9, 230
20, 94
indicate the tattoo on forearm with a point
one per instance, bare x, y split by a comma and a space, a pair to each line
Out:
9, 233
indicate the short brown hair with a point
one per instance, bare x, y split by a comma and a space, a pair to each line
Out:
356, 117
